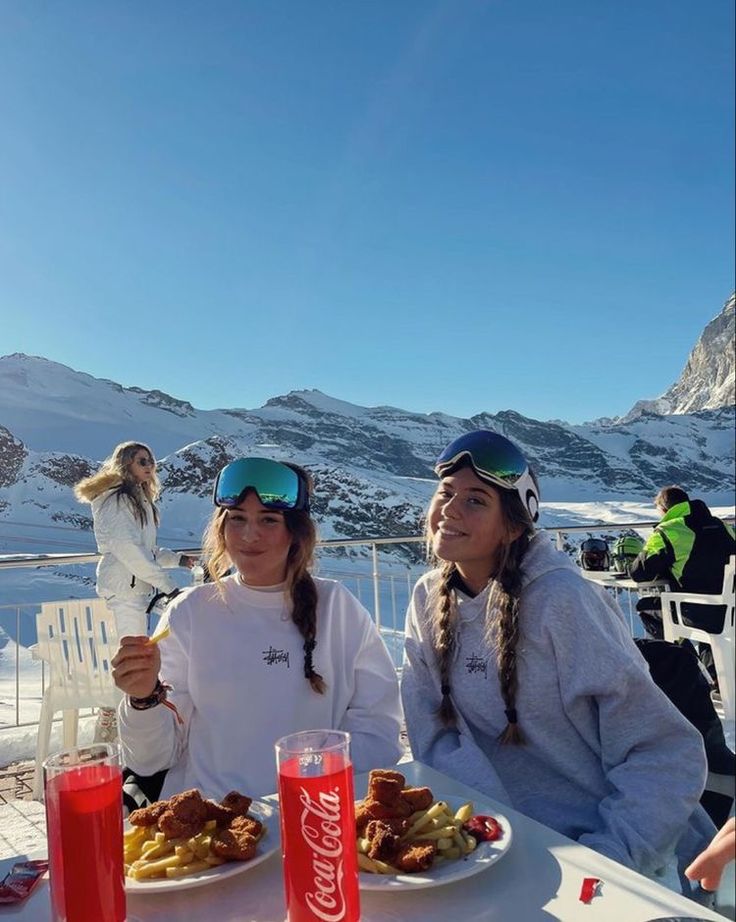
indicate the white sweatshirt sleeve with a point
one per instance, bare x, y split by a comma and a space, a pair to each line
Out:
118, 532
156, 738
373, 716
451, 750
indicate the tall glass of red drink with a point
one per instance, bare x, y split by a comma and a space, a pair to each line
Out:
318, 826
84, 822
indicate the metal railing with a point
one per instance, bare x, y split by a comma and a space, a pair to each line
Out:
381, 583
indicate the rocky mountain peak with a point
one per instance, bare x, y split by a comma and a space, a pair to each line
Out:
707, 381
12, 455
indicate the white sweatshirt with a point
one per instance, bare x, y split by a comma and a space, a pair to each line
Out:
236, 666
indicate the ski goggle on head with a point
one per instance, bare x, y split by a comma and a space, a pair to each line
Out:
278, 486
495, 460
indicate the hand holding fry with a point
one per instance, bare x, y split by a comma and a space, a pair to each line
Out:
135, 666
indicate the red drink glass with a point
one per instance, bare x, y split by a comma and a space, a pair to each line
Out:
84, 822
318, 827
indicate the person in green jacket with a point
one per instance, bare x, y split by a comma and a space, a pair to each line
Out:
689, 549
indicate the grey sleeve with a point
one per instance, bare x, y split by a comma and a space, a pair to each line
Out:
653, 758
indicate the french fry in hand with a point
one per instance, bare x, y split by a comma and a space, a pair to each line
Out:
160, 636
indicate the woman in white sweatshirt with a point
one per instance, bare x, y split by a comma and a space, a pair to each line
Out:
266, 651
521, 679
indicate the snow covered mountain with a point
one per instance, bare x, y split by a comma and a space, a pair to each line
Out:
372, 465
708, 378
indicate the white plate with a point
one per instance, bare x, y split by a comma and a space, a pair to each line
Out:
267, 813
446, 872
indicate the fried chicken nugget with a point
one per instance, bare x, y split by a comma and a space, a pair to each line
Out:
385, 786
397, 825
367, 810
361, 818
386, 773
415, 856
223, 816
418, 798
237, 802
383, 840
238, 842
375, 810
148, 816
185, 816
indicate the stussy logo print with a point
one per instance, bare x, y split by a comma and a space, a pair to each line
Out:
475, 663
272, 657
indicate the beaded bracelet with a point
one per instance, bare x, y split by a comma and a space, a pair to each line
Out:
157, 696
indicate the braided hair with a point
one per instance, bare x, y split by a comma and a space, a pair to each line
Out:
300, 589
501, 617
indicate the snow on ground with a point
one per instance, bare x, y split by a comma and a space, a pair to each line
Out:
18, 744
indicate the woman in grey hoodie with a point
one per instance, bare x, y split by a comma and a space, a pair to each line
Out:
521, 679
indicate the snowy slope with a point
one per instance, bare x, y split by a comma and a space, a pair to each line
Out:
372, 465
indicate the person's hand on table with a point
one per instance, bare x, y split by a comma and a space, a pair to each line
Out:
709, 865
135, 666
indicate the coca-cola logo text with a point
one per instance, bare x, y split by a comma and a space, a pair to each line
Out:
320, 823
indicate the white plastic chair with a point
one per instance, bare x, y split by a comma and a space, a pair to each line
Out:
721, 644
78, 639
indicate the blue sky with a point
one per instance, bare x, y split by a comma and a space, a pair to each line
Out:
456, 206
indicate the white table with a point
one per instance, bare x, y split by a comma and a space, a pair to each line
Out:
611, 579
538, 880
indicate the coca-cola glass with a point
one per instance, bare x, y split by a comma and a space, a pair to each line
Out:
318, 826
84, 819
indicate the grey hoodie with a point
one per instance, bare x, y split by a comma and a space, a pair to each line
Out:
607, 759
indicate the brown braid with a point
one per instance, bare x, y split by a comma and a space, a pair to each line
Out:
444, 640
304, 616
502, 620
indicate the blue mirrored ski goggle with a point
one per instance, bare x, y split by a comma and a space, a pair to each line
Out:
495, 460
278, 486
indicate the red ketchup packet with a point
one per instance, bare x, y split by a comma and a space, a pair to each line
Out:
22, 878
589, 889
